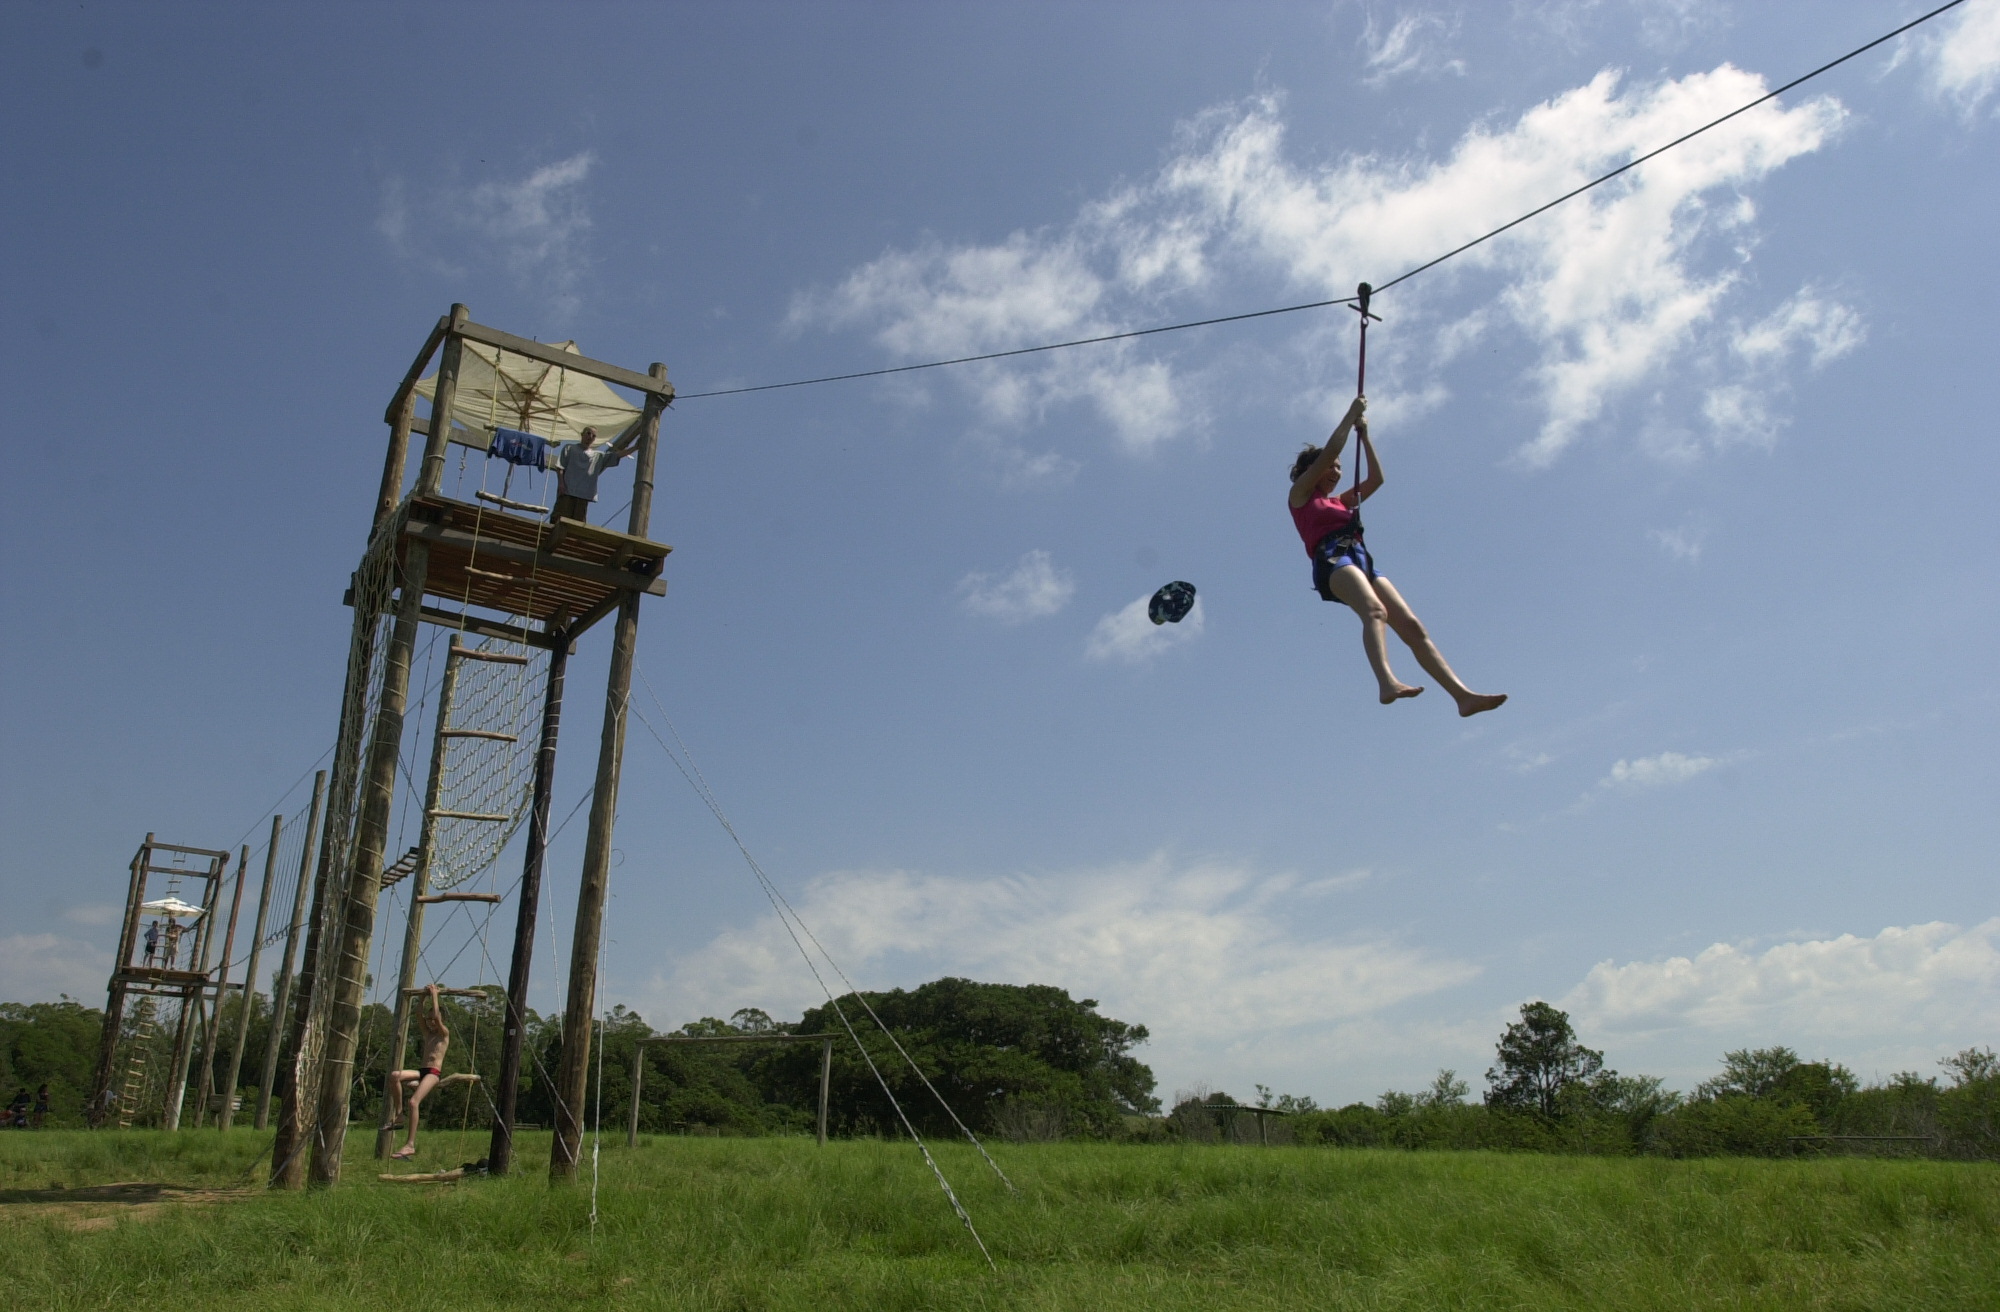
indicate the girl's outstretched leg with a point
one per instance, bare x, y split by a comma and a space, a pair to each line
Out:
1411, 630
1351, 586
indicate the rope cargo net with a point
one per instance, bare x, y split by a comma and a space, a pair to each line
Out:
480, 775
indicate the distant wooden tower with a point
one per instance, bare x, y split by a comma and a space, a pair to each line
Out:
143, 1059
496, 569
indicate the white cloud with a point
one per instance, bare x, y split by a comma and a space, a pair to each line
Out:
1034, 589
1025, 291
1409, 46
1130, 636
38, 967
1827, 329
1658, 771
1965, 59
1206, 954
536, 228
1683, 543
1934, 986
1609, 290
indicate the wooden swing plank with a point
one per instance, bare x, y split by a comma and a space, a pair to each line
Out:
428, 1177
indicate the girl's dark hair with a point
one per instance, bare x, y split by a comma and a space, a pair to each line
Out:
1306, 457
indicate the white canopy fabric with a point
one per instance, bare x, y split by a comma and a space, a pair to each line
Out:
170, 906
499, 389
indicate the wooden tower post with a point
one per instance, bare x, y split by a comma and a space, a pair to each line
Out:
573, 1071
378, 793
281, 993
288, 1145
506, 1094
227, 1116
205, 1086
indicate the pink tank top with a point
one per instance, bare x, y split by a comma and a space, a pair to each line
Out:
1319, 517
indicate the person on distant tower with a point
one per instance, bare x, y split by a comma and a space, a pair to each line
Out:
580, 464
152, 941
430, 1062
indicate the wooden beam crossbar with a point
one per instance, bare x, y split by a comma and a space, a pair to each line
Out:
449, 993
191, 851
433, 898
409, 382
481, 627
583, 364
491, 816
495, 657
493, 734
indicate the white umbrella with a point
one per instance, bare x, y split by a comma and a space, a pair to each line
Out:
170, 906
499, 389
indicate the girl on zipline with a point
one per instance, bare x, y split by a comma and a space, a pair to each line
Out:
1330, 523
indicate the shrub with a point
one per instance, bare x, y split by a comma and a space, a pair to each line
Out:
1732, 1123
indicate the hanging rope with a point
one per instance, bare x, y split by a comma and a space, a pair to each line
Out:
1361, 297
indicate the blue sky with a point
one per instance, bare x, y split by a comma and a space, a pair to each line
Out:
1697, 470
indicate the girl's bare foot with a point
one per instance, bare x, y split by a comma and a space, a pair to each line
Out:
1480, 701
1399, 692
403, 1156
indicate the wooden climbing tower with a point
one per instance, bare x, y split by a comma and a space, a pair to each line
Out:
515, 588
164, 949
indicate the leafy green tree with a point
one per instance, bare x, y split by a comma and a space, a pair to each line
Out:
1446, 1090
53, 1043
982, 1047
1971, 1065
1734, 1124
1751, 1072
1289, 1103
1540, 1058
1968, 1112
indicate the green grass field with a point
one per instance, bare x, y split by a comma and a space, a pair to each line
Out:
780, 1223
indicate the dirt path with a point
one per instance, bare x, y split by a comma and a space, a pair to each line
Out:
100, 1206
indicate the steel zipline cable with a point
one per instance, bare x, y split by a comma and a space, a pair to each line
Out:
1345, 300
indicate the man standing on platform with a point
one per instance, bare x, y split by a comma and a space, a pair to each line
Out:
580, 463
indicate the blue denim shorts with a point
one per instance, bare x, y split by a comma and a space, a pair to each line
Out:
1336, 551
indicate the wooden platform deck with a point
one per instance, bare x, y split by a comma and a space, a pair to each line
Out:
148, 979
486, 558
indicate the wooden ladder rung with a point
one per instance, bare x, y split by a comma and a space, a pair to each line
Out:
458, 897
494, 499
492, 734
471, 815
449, 993
497, 657
486, 573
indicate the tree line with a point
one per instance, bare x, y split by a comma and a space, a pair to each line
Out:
1030, 1062
1547, 1092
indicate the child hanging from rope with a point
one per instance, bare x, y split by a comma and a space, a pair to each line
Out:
1343, 570
431, 1048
